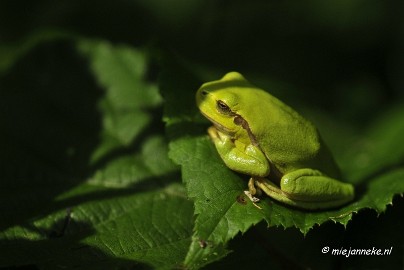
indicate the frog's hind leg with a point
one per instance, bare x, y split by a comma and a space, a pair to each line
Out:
308, 189
310, 185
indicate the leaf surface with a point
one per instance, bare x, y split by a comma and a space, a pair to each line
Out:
60, 208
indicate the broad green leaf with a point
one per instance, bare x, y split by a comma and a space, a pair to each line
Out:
126, 226
220, 205
121, 71
58, 210
127, 170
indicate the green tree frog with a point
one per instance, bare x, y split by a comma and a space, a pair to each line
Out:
258, 135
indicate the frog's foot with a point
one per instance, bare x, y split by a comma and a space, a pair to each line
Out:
252, 190
251, 197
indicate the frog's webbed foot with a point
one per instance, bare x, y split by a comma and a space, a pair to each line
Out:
252, 190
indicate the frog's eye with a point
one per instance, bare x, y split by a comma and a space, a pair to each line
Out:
222, 107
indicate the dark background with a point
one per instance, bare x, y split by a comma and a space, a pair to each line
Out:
345, 55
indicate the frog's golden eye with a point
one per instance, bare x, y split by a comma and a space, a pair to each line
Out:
222, 107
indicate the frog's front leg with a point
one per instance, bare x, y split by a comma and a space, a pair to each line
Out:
247, 159
308, 189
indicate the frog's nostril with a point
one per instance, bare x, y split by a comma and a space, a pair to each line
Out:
204, 93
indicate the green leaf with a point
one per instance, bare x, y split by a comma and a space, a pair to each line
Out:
128, 226
221, 207
121, 71
59, 211
126, 170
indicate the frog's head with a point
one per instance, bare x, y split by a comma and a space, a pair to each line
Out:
219, 101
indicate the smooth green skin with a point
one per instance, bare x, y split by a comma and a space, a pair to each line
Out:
258, 135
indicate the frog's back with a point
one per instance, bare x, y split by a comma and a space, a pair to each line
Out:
288, 140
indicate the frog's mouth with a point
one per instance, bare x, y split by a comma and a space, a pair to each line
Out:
219, 126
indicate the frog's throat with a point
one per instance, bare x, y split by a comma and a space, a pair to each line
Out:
239, 121
220, 127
